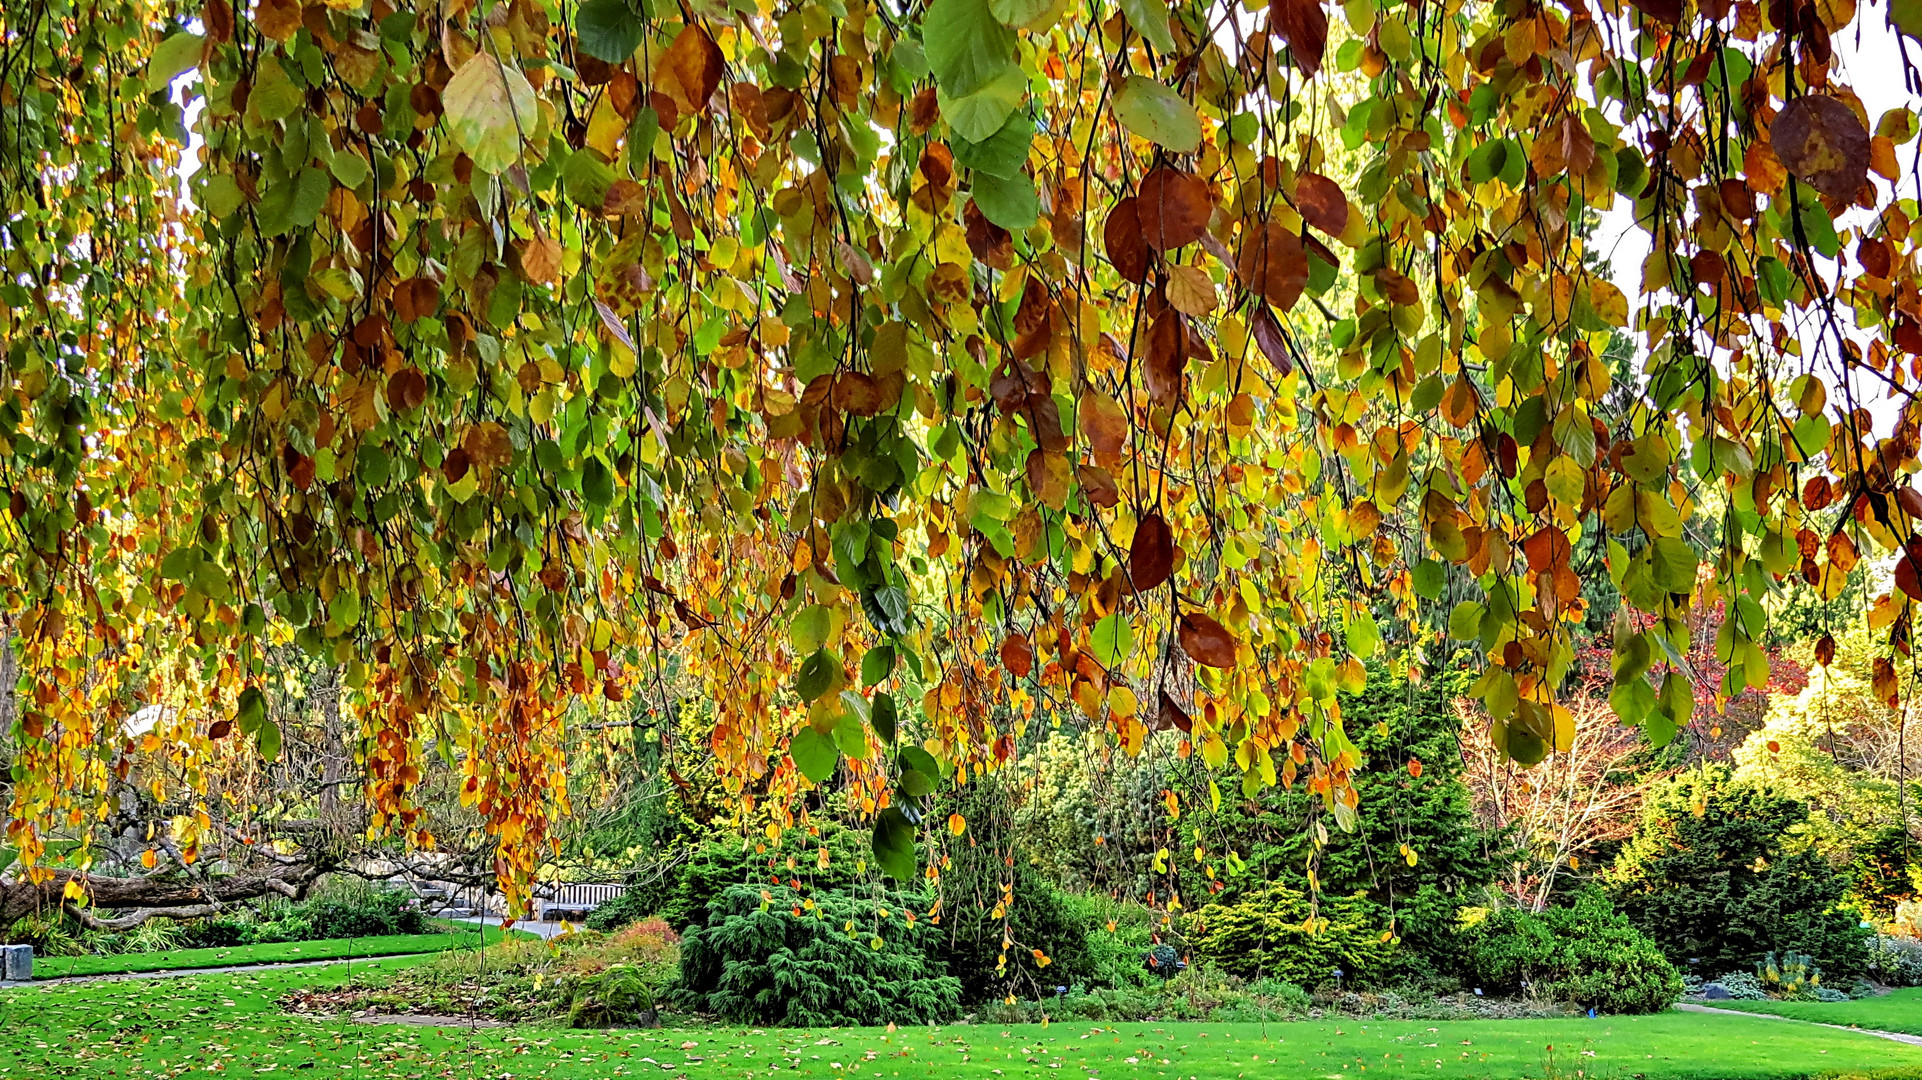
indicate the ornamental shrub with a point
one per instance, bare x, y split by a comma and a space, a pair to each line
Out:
1267, 934
1586, 954
349, 907
763, 958
1715, 873
1741, 986
717, 865
1895, 961
1423, 811
628, 907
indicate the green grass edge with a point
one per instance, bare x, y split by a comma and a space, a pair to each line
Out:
451, 936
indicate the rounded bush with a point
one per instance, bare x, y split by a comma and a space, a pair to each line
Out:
1586, 955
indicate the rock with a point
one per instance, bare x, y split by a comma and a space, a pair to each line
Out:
1715, 992
16, 962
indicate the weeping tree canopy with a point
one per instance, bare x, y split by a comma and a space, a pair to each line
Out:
899, 374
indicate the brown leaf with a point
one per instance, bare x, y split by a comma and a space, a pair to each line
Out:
219, 729
1167, 362
1825, 650
1098, 484
1823, 143
1173, 207
1103, 423
456, 464
1151, 554
1127, 248
624, 197
416, 298
488, 445
1321, 203
1048, 477
1017, 655
541, 260
1906, 580
1397, 287
1666, 12
1171, 717
1577, 145
1206, 640
1273, 344
406, 389
1273, 264
1304, 26
923, 111
278, 19
987, 241
857, 393
218, 18
690, 71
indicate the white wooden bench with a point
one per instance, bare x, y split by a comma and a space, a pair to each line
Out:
573, 901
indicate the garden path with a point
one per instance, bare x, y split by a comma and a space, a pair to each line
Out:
1893, 1036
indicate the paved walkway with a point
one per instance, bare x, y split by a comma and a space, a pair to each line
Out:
1892, 1036
547, 930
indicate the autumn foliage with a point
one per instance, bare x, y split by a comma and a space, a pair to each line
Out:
912, 373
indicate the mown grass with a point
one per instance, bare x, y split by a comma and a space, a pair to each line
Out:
1898, 1010
227, 1024
452, 936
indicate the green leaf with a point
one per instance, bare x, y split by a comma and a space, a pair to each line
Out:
1674, 708
1565, 480
1004, 154
1465, 622
1430, 579
1112, 640
597, 482
877, 664
894, 844
967, 47
977, 116
349, 168
587, 178
1907, 16
883, 718
220, 196
810, 628
1150, 20
488, 106
921, 761
1156, 113
274, 97
269, 738
1575, 433
172, 58
915, 784
851, 737
608, 30
1364, 637
250, 710
1672, 562
1020, 13
1011, 204
294, 203
817, 676
814, 754
1632, 701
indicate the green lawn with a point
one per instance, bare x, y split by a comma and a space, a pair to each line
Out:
226, 1025
54, 967
1898, 1010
